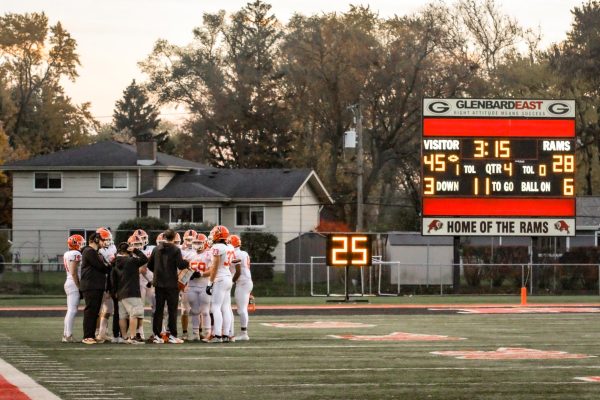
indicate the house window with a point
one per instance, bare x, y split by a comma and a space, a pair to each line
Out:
181, 214
113, 180
47, 181
249, 216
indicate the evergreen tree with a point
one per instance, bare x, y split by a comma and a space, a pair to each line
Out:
135, 114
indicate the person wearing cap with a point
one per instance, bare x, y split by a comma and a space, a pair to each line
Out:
129, 263
92, 284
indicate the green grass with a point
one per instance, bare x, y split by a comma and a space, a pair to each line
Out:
308, 364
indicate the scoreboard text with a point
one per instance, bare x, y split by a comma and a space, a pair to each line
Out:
489, 162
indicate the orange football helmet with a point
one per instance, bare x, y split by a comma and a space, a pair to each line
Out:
200, 242
160, 238
142, 235
189, 236
235, 241
219, 232
135, 241
75, 242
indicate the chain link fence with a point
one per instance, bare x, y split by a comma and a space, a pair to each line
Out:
33, 265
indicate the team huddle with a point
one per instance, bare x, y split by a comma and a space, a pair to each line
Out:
196, 276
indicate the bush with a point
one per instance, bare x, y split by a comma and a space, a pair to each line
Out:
260, 247
152, 226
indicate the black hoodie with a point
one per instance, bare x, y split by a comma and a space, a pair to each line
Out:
93, 270
165, 261
125, 275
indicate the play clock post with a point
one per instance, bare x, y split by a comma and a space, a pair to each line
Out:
348, 250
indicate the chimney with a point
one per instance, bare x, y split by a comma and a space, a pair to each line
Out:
146, 152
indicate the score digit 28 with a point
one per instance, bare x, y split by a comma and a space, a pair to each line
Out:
348, 250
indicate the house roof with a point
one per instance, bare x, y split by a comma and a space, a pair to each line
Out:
106, 154
238, 184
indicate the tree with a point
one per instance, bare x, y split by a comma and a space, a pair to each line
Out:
260, 247
34, 57
134, 113
228, 79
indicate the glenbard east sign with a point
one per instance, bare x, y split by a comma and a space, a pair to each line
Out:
498, 167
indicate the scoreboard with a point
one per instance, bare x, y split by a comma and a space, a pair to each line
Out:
498, 167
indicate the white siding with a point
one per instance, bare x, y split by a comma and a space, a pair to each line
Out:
80, 204
162, 178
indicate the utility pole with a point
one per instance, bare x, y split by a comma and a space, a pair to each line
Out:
357, 111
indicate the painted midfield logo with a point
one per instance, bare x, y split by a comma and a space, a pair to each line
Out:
510, 353
397, 337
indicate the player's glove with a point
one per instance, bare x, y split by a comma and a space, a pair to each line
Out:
149, 285
195, 275
209, 290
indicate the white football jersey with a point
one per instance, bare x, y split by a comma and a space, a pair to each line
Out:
148, 250
149, 275
200, 263
188, 253
226, 253
245, 265
68, 257
108, 253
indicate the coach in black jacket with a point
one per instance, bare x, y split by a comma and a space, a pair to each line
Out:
92, 285
166, 261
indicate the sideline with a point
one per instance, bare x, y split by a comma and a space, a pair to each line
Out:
24, 383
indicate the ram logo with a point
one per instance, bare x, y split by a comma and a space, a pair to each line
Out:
436, 225
562, 226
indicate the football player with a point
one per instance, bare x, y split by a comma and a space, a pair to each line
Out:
187, 252
72, 261
108, 252
243, 285
197, 296
220, 283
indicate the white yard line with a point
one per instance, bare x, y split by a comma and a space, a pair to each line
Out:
25, 384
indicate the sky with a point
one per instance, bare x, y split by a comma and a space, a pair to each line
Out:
114, 35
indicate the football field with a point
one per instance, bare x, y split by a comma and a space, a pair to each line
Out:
424, 355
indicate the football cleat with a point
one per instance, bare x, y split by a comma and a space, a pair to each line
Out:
68, 339
118, 340
175, 340
243, 336
89, 341
196, 337
158, 340
215, 340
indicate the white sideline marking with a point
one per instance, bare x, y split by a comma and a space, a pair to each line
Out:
25, 384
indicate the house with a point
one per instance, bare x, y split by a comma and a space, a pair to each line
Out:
103, 184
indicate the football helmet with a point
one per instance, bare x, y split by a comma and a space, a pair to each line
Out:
105, 236
160, 238
189, 236
135, 241
177, 240
219, 232
235, 241
199, 242
142, 235
75, 242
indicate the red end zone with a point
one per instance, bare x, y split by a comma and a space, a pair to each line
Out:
8, 391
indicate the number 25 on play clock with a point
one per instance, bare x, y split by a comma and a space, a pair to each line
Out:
349, 250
